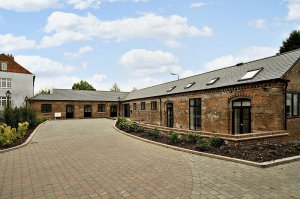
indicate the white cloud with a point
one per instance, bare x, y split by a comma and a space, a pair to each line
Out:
81, 51
140, 83
38, 64
9, 42
135, 1
259, 24
172, 44
293, 10
28, 5
84, 4
197, 4
143, 63
78, 28
248, 54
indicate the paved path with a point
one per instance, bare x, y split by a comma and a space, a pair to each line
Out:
89, 159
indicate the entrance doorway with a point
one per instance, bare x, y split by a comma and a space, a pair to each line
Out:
170, 115
241, 116
113, 111
69, 111
87, 111
126, 110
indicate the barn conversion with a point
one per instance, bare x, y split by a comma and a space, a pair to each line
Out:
253, 97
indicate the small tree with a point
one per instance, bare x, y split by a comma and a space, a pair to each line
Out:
83, 85
44, 91
115, 88
291, 43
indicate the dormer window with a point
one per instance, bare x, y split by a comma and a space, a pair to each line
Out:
189, 85
170, 89
250, 74
4, 66
212, 81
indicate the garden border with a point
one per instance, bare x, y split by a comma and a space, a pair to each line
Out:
26, 142
210, 155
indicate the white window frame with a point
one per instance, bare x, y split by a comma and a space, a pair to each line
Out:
3, 66
5, 82
250, 74
3, 101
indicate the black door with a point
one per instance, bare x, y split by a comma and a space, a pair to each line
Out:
126, 110
241, 116
113, 111
69, 111
87, 111
170, 115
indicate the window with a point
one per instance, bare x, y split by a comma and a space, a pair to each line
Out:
189, 85
250, 74
46, 108
5, 82
134, 106
4, 66
292, 104
154, 105
212, 81
101, 107
3, 101
170, 89
195, 114
143, 106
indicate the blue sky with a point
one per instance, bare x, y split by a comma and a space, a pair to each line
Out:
138, 43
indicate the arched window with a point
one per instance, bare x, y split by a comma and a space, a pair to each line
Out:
241, 116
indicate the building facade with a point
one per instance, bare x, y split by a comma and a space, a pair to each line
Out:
15, 79
248, 98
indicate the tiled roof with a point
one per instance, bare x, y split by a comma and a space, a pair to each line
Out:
271, 68
80, 95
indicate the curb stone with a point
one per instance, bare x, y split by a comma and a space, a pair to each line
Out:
246, 162
26, 142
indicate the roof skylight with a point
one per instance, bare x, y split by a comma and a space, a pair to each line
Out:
212, 81
251, 74
170, 89
189, 85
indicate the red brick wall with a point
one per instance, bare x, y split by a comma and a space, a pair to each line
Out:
216, 113
293, 123
12, 66
78, 108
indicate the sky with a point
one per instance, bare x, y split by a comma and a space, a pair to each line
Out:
138, 43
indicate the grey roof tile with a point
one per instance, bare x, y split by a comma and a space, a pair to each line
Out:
80, 95
272, 68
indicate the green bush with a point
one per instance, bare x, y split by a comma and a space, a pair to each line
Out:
139, 129
9, 135
154, 133
22, 128
193, 138
216, 141
202, 145
173, 137
38, 121
13, 116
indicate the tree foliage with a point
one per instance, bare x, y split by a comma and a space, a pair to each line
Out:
291, 43
83, 85
115, 88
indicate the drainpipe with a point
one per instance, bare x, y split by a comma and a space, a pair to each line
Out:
285, 118
160, 111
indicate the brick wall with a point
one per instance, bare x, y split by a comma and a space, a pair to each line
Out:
293, 76
60, 106
267, 110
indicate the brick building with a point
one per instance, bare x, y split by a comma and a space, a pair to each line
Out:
16, 80
253, 97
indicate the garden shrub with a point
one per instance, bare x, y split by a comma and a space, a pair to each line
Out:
154, 133
13, 116
173, 137
193, 138
202, 145
22, 128
216, 141
9, 135
139, 129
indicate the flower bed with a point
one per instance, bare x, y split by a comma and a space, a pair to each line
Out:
214, 145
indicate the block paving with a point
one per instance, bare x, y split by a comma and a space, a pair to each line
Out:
89, 159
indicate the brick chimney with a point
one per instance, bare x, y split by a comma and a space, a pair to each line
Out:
10, 56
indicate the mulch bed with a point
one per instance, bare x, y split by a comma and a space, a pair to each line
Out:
19, 141
256, 153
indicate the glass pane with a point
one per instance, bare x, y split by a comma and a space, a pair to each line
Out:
198, 102
246, 121
237, 123
246, 103
295, 105
236, 104
288, 104
192, 102
192, 119
250, 74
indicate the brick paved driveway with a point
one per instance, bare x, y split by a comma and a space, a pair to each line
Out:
89, 159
